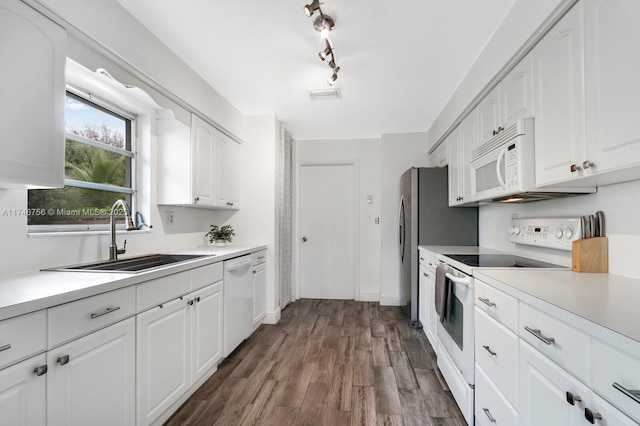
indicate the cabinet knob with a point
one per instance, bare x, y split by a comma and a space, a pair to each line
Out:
587, 164
42, 370
572, 399
591, 416
63, 360
197, 199
575, 168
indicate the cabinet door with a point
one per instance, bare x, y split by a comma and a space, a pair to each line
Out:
206, 329
612, 58
489, 115
259, 293
203, 147
33, 96
91, 381
432, 316
543, 392
423, 292
162, 358
23, 393
454, 154
516, 92
559, 99
468, 142
233, 165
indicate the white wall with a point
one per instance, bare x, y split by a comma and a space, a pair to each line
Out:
367, 153
620, 204
399, 152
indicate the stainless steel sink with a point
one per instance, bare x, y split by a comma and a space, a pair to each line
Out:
130, 265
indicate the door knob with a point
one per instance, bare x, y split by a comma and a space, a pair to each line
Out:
304, 239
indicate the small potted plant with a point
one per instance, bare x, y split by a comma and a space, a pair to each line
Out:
219, 235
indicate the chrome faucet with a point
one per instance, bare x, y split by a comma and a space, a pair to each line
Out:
114, 251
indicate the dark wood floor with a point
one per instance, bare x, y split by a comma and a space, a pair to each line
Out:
327, 362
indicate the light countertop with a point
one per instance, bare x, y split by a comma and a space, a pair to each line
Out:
610, 301
21, 293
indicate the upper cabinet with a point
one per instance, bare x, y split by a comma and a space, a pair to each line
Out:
509, 101
612, 61
559, 89
586, 125
198, 165
33, 96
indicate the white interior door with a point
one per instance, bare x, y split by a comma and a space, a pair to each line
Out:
327, 231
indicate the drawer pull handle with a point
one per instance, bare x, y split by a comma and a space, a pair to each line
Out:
631, 393
63, 360
489, 350
489, 416
572, 399
260, 257
487, 302
591, 416
536, 332
40, 371
5, 347
104, 312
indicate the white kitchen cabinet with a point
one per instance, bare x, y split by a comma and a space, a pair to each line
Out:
454, 154
206, 329
516, 93
178, 342
612, 61
91, 380
491, 407
32, 84
461, 142
23, 393
546, 391
427, 308
489, 117
423, 292
259, 271
163, 351
198, 165
559, 100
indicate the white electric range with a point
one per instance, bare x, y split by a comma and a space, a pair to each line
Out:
455, 338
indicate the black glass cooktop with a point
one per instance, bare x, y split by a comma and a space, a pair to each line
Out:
499, 261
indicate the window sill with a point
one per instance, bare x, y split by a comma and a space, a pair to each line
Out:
84, 233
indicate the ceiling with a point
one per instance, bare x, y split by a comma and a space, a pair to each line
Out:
400, 60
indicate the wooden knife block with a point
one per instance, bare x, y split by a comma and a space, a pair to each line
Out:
590, 255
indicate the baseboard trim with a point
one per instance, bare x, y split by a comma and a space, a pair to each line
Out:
272, 317
392, 301
369, 297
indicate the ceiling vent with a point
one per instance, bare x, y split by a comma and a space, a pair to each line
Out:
328, 94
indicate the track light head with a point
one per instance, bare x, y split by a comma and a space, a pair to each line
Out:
310, 8
326, 52
331, 81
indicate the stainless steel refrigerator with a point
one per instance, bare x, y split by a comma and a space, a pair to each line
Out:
425, 218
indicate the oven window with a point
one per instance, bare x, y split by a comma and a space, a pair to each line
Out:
486, 177
455, 327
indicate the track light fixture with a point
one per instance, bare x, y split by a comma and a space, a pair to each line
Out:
324, 24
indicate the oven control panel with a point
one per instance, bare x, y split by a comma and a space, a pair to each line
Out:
551, 232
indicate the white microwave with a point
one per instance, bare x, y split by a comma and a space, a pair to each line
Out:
503, 168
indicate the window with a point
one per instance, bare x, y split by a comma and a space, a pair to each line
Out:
99, 169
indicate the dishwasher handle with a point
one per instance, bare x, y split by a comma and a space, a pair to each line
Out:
239, 266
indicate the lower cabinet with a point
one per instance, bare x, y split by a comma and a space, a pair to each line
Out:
178, 342
91, 380
259, 293
23, 393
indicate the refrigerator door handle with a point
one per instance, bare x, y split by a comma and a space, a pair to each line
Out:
401, 229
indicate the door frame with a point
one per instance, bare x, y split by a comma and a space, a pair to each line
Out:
297, 233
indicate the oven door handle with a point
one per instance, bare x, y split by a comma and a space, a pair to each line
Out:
466, 281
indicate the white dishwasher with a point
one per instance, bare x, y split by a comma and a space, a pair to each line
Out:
238, 302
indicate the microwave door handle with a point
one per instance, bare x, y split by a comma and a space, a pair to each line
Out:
501, 156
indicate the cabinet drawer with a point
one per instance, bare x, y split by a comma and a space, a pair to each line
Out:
563, 344
491, 407
155, 292
258, 257
497, 354
71, 320
205, 275
22, 336
498, 305
611, 416
613, 374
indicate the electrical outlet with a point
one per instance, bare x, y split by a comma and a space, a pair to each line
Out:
169, 217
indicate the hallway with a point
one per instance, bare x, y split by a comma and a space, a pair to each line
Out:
327, 362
